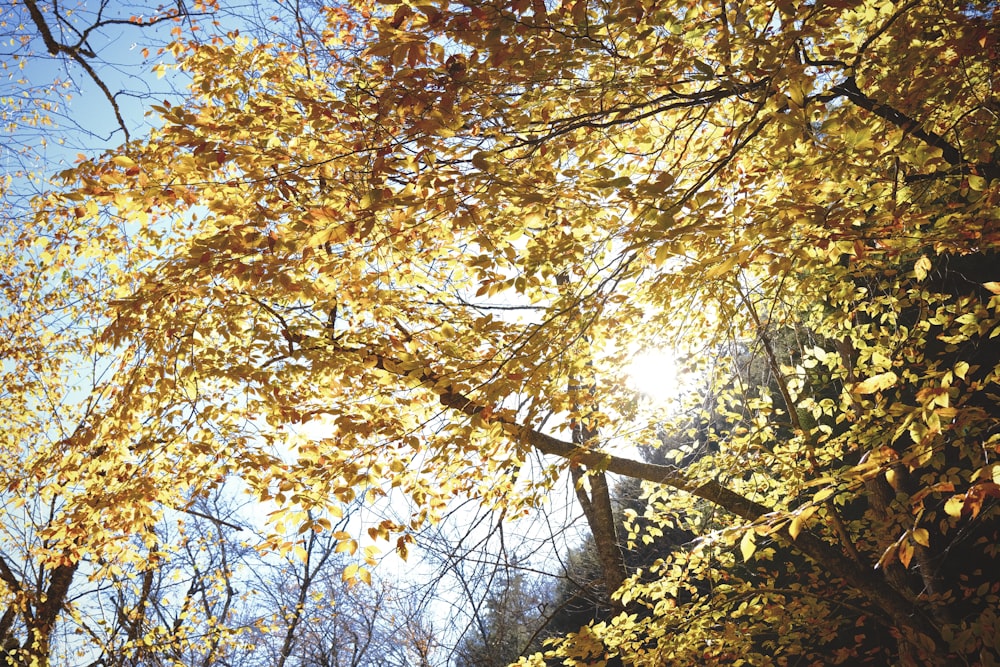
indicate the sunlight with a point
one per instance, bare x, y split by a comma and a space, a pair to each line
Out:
654, 373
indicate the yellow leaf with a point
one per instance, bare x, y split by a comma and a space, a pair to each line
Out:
992, 286
921, 536
876, 383
661, 254
795, 527
350, 573
922, 268
954, 506
123, 161
823, 494
905, 553
348, 546
880, 360
961, 368
482, 160
748, 545
371, 551
720, 269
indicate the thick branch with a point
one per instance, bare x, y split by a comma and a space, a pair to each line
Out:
865, 582
8, 577
44, 620
55, 597
960, 166
53, 46
849, 89
597, 504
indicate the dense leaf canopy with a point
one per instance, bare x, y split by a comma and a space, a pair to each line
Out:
409, 252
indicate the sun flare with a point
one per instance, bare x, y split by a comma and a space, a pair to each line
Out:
655, 374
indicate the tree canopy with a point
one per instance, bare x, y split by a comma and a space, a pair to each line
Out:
409, 254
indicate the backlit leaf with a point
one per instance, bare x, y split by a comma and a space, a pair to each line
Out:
876, 383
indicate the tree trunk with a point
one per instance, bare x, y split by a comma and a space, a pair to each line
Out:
601, 520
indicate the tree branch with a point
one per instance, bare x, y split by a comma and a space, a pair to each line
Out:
630, 113
865, 582
849, 88
78, 54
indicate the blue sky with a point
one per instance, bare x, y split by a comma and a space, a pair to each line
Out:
85, 121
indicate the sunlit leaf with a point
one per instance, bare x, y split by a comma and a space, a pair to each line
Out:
877, 383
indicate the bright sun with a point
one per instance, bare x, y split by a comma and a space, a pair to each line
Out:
655, 373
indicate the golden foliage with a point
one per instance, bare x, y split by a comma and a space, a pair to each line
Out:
379, 264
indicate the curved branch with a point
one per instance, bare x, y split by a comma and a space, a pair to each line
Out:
79, 59
625, 114
53, 46
79, 55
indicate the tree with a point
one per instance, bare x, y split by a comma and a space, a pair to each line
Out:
444, 250
96, 563
303, 612
507, 627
